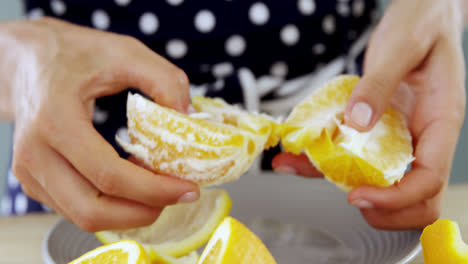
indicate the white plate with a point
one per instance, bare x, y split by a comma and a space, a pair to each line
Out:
300, 221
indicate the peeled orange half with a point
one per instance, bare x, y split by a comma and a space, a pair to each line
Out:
212, 147
345, 156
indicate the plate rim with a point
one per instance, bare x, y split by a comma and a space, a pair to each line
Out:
48, 259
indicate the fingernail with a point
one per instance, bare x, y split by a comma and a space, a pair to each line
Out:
189, 197
360, 203
286, 170
361, 114
191, 109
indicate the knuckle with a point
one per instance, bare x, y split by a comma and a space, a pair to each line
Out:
377, 86
104, 181
87, 219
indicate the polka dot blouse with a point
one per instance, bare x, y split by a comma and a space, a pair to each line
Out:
265, 55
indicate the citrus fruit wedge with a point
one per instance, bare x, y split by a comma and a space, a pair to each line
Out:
260, 125
232, 242
157, 258
345, 156
206, 148
124, 252
442, 243
181, 228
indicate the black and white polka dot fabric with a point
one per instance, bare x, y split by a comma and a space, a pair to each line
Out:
264, 54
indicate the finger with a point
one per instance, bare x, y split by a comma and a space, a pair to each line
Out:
96, 159
135, 65
289, 163
415, 217
33, 189
431, 169
85, 205
392, 54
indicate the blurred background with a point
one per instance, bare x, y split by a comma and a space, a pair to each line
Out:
12, 9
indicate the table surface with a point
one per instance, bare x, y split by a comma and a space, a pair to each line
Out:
21, 237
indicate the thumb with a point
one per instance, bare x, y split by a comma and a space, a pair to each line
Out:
391, 55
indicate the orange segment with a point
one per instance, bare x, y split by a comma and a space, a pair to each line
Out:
258, 124
208, 151
345, 156
442, 243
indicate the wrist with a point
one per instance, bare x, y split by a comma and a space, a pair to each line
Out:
20, 42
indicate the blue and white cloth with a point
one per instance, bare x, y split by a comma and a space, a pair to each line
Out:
266, 55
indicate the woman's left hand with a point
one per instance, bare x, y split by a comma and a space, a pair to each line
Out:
414, 62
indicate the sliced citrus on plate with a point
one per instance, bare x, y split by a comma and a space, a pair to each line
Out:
345, 156
207, 148
232, 242
181, 228
122, 252
442, 243
157, 258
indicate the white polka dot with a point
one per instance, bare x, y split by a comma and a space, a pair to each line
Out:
205, 21
100, 19
46, 208
218, 85
319, 49
21, 204
306, 7
100, 116
289, 35
58, 7
175, 2
176, 48
36, 13
122, 134
358, 8
149, 23
343, 9
6, 205
222, 70
279, 69
259, 13
13, 183
235, 45
123, 2
328, 24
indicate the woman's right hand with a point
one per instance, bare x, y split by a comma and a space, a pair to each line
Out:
59, 158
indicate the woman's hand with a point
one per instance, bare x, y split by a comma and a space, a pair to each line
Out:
59, 158
414, 62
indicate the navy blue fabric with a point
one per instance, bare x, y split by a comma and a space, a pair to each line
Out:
326, 30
